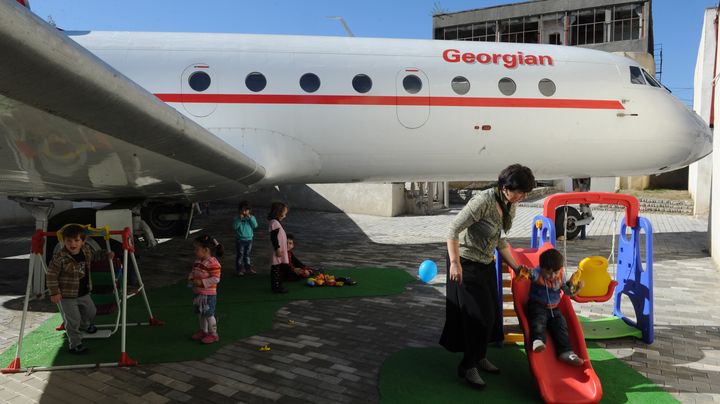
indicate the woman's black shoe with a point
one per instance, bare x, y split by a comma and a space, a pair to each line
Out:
485, 365
91, 329
472, 376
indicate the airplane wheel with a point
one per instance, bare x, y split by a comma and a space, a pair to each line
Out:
163, 227
573, 217
79, 216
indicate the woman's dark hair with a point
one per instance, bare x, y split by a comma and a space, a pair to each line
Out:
276, 209
551, 259
207, 241
516, 178
243, 205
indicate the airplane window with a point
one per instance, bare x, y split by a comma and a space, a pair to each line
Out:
362, 83
310, 82
636, 76
255, 82
507, 86
546, 87
650, 79
199, 81
460, 85
412, 84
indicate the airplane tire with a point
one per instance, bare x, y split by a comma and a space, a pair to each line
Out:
573, 216
164, 228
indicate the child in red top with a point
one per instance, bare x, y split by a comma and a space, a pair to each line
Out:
204, 279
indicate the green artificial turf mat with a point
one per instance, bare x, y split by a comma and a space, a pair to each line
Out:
245, 307
607, 328
428, 375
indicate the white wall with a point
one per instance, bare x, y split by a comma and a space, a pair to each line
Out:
700, 172
708, 32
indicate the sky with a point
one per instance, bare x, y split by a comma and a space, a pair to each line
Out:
677, 23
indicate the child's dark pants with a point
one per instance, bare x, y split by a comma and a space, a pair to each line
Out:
542, 318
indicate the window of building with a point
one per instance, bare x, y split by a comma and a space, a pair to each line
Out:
255, 82
470, 32
485, 32
636, 76
448, 33
460, 85
507, 86
626, 24
546, 87
522, 30
554, 39
412, 84
362, 83
199, 81
464, 33
309, 82
587, 26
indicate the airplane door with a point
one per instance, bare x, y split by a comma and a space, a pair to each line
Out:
198, 81
413, 97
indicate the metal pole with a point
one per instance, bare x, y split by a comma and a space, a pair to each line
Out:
142, 285
124, 302
25, 309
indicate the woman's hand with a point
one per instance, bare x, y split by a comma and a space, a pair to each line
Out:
56, 298
278, 253
456, 272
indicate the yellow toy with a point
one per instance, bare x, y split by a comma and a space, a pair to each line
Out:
593, 272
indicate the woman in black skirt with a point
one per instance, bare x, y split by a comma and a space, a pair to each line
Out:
473, 312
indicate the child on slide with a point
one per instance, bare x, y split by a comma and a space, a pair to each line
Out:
543, 313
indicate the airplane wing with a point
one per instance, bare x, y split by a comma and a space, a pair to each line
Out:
73, 127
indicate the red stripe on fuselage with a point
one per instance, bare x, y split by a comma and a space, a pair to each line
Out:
389, 100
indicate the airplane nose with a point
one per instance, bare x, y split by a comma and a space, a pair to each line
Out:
700, 137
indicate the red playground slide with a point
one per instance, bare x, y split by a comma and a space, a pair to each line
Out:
557, 381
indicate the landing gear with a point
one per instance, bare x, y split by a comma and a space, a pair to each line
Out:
575, 220
166, 220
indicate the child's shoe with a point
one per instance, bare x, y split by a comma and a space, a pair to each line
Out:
240, 273
251, 271
538, 346
79, 349
199, 335
210, 338
572, 358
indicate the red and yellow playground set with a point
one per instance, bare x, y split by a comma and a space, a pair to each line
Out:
559, 382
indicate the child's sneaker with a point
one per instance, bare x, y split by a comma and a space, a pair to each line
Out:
240, 273
79, 349
251, 271
572, 358
538, 346
199, 335
210, 338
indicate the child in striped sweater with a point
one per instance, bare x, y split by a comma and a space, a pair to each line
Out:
204, 279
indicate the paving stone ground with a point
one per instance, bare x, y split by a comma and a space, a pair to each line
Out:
332, 350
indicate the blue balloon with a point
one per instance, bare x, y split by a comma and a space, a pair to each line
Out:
427, 271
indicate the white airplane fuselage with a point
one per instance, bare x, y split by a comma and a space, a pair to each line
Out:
596, 123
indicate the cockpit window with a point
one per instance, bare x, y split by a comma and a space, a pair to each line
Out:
636, 76
650, 79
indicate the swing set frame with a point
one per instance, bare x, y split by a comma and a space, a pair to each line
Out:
37, 258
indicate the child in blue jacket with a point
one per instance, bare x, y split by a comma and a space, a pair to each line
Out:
547, 280
244, 225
